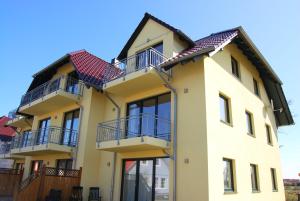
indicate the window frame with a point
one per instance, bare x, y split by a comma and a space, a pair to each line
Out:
269, 135
256, 177
235, 68
274, 180
232, 176
251, 123
256, 89
227, 109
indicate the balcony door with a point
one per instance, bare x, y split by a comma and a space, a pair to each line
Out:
145, 179
36, 166
72, 85
43, 131
149, 117
70, 128
146, 57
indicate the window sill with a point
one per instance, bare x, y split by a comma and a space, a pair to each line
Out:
255, 191
251, 135
230, 192
275, 191
226, 123
270, 144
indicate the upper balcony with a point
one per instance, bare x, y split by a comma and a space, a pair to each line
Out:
134, 133
18, 121
49, 140
5, 153
51, 95
138, 73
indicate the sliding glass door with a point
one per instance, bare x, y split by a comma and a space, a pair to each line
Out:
43, 131
145, 179
70, 129
149, 117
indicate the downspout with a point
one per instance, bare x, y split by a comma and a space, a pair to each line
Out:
169, 86
115, 155
78, 137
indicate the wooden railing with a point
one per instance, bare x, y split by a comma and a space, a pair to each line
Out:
9, 180
38, 187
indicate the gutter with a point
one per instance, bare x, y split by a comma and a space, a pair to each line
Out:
115, 154
169, 86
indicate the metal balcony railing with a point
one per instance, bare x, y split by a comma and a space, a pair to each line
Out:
69, 85
54, 135
12, 114
134, 126
143, 60
5, 147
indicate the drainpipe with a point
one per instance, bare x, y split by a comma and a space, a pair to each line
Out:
78, 137
115, 155
168, 85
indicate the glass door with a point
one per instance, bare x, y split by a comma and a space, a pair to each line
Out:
70, 128
36, 166
145, 179
43, 131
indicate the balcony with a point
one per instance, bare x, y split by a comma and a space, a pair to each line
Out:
50, 140
134, 133
137, 73
18, 121
51, 96
5, 151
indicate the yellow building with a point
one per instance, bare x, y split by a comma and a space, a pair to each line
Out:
169, 119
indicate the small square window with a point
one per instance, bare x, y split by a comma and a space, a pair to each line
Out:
269, 135
249, 123
224, 109
254, 177
235, 68
228, 175
256, 87
274, 179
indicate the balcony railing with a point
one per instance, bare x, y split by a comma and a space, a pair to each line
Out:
148, 58
71, 85
5, 147
53, 135
134, 126
12, 114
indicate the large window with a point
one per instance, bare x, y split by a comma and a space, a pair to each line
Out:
235, 68
274, 179
70, 129
43, 131
145, 182
150, 117
254, 177
256, 87
228, 175
62, 165
249, 123
269, 135
224, 109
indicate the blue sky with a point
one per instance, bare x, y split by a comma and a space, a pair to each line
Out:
35, 33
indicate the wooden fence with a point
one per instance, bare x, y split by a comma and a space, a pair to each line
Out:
9, 180
40, 184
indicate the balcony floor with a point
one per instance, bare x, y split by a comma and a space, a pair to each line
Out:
20, 122
133, 144
42, 149
134, 82
48, 103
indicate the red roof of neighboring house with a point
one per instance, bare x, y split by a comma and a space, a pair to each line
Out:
6, 130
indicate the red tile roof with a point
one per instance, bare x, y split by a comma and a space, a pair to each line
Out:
208, 43
6, 130
91, 69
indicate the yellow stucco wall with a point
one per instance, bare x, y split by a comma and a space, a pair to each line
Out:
232, 141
